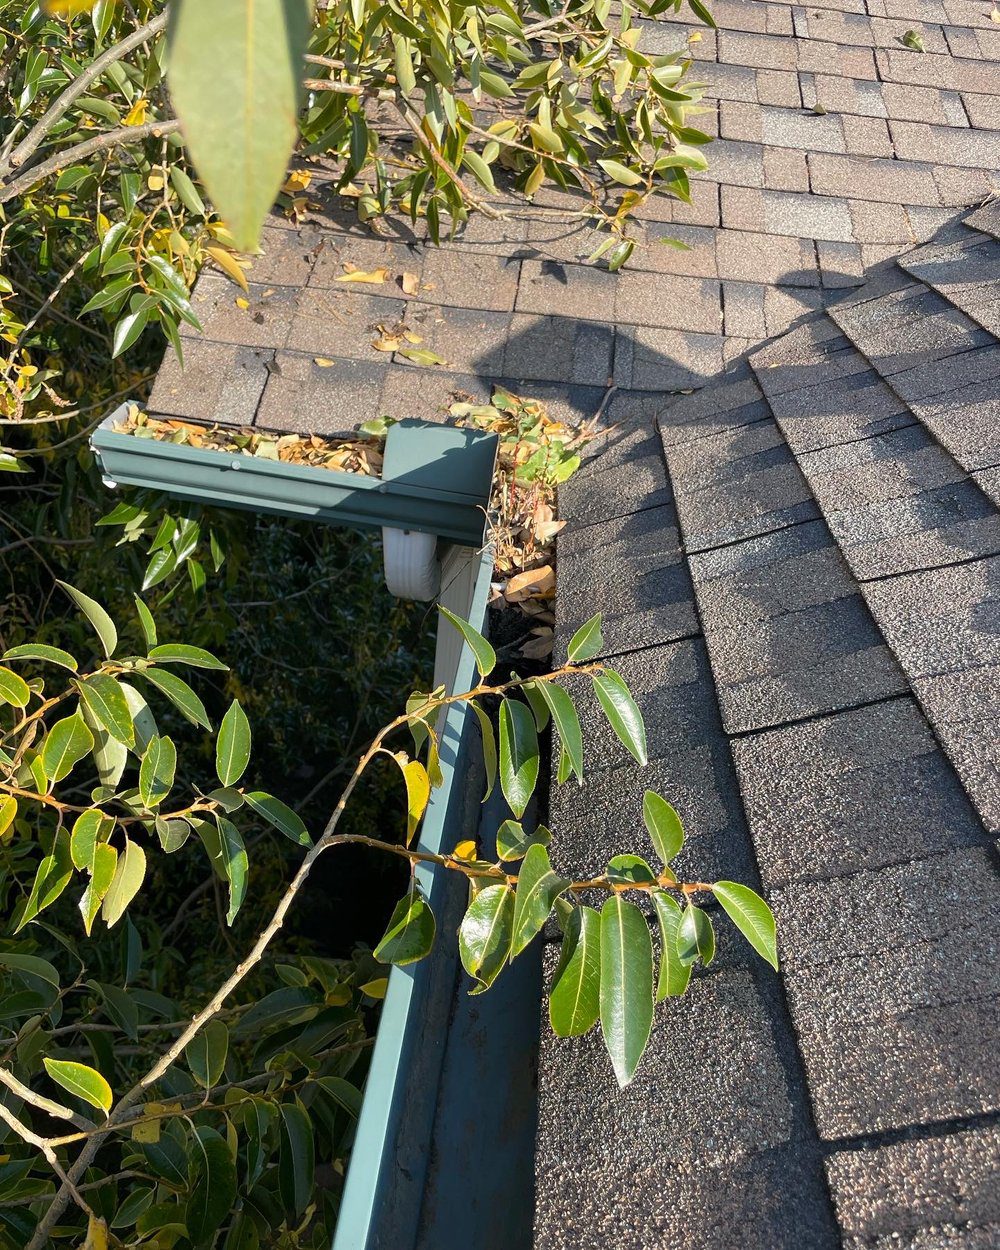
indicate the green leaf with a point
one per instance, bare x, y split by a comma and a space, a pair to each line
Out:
180, 695
626, 985
751, 915
575, 1000
674, 975
489, 747
695, 936
187, 192
567, 721
629, 870
480, 170
513, 842
180, 653
103, 625
484, 937
537, 702
53, 876
664, 826
418, 792
409, 934
146, 621
130, 871
296, 1158
37, 651
68, 741
13, 689
128, 330
156, 773
235, 865
232, 748
102, 874
620, 173
518, 755
701, 11
239, 105
83, 1082
486, 657
106, 702
279, 816
90, 829
213, 1191
538, 887
206, 1053
622, 713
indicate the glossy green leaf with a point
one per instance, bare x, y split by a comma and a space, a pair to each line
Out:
695, 936
664, 825
213, 1192
575, 1000
38, 651
567, 721
180, 653
622, 713
106, 702
513, 842
81, 1081
537, 702
90, 829
489, 747
409, 935
626, 985
103, 625
146, 622
8, 811
206, 1053
519, 759
279, 815
621, 173
180, 695
156, 773
629, 870
130, 872
235, 865
296, 1158
751, 915
674, 975
484, 938
53, 876
232, 748
68, 741
538, 887
239, 108
486, 657
13, 689
105, 863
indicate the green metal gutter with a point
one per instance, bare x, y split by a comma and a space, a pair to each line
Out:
385, 1183
436, 479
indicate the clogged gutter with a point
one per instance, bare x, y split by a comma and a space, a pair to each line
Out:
536, 455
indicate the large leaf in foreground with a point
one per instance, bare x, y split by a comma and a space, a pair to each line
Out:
239, 107
485, 934
409, 934
622, 713
575, 1003
518, 755
751, 915
626, 985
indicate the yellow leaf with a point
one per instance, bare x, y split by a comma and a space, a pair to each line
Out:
148, 1130
97, 1234
68, 8
137, 113
465, 850
411, 337
410, 283
8, 810
242, 303
298, 180
339, 996
385, 343
694, 37
155, 182
376, 988
324, 362
418, 792
228, 263
376, 276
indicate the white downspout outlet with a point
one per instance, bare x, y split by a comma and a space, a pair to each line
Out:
410, 561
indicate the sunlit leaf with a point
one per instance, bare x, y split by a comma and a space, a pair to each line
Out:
409, 935
575, 1003
519, 759
103, 625
626, 985
83, 1082
486, 657
484, 937
751, 915
130, 872
232, 748
538, 887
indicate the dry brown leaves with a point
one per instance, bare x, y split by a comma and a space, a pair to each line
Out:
356, 454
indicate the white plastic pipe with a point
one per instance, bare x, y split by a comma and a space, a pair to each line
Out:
411, 564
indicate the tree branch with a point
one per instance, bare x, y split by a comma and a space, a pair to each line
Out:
62, 104
110, 139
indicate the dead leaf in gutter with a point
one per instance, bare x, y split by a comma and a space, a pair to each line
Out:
539, 647
531, 584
